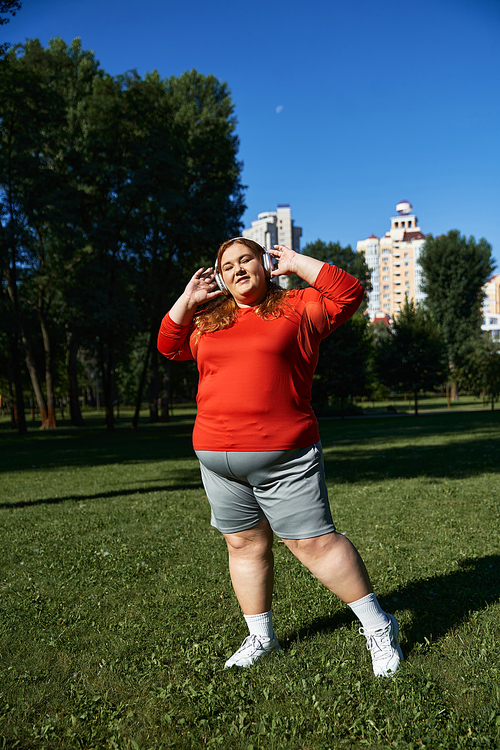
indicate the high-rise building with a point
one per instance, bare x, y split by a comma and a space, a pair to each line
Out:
275, 228
491, 306
393, 262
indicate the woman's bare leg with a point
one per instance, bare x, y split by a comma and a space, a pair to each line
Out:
334, 561
251, 566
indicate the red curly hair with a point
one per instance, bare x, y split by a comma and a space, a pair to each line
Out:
222, 312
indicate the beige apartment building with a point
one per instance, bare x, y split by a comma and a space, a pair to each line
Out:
393, 263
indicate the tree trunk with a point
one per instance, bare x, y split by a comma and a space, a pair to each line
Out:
18, 416
107, 384
153, 386
165, 393
416, 403
10, 274
35, 380
74, 402
448, 395
12, 406
142, 381
454, 391
50, 422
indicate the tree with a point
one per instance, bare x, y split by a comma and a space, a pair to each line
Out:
40, 93
7, 7
411, 355
342, 369
455, 270
26, 115
480, 370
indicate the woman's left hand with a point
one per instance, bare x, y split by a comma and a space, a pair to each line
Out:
286, 260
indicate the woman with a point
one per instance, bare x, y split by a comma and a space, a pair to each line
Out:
256, 436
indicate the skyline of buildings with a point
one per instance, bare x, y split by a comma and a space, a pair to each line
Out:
395, 272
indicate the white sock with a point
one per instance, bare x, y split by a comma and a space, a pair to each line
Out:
370, 613
261, 624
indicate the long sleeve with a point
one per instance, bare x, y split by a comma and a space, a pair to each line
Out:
342, 293
173, 340
334, 298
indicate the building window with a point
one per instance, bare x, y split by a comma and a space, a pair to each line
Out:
407, 264
407, 273
387, 296
386, 278
387, 307
396, 224
409, 224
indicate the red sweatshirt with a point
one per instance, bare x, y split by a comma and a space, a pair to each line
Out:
255, 376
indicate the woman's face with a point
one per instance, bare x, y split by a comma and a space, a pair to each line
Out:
244, 275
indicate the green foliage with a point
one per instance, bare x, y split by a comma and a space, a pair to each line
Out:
342, 370
410, 356
118, 614
455, 270
480, 371
7, 7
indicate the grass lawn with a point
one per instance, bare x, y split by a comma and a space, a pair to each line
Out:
426, 403
117, 613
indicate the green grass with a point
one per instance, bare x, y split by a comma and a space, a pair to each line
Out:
426, 403
117, 612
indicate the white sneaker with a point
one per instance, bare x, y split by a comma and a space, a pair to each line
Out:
384, 648
252, 648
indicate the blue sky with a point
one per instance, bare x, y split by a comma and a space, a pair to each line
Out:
343, 108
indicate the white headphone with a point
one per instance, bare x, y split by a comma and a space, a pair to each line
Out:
268, 262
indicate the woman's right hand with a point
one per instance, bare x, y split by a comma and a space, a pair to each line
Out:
202, 287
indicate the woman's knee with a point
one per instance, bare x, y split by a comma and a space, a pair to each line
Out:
316, 546
251, 542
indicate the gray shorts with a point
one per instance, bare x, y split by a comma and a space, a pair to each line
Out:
286, 487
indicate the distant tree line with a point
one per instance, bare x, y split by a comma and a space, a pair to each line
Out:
113, 190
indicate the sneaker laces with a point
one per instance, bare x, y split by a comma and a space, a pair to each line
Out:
379, 640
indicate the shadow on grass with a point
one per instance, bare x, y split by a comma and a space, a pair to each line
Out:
437, 604
190, 484
95, 447
455, 459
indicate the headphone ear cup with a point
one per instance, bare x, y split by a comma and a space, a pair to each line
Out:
267, 263
220, 281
